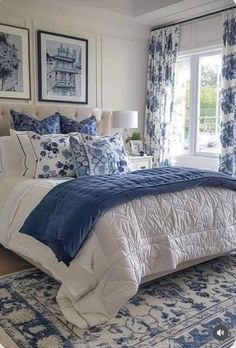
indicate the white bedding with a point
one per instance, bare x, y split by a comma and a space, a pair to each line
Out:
146, 236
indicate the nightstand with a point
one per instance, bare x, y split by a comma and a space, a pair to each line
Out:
140, 162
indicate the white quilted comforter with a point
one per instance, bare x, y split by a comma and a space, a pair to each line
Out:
146, 236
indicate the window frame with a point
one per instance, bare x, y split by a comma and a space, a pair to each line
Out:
194, 56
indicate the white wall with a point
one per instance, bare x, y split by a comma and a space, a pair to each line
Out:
117, 48
127, 88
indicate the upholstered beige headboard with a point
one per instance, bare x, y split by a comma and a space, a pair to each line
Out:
104, 117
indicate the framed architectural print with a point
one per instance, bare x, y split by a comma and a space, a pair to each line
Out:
14, 62
62, 68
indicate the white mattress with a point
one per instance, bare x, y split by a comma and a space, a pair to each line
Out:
150, 235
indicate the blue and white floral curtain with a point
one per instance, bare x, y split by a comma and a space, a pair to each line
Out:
163, 50
228, 95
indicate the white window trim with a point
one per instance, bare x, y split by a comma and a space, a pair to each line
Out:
210, 163
192, 157
202, 50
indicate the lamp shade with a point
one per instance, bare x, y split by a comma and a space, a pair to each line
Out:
125, 119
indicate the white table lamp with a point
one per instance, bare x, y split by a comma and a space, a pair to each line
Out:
125, 119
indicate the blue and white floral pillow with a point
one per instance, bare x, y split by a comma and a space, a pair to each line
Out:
118, 149
92, 160
87, 126
49, 125
53, 155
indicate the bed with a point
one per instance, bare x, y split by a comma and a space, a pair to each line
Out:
132, 243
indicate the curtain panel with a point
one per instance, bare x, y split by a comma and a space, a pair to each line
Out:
227, 161
163, 50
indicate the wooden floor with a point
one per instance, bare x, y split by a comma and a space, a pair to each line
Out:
10, 262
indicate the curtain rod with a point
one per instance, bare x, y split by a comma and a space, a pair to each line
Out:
194, 18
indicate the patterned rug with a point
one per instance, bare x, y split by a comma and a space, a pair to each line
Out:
180, 310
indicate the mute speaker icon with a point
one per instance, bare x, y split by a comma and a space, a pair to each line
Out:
220, 332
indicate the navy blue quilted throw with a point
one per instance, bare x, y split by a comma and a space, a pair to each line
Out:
64, 217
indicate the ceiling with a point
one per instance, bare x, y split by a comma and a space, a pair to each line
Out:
161, 12
158, 12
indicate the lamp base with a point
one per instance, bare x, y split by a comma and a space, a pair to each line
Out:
123, 136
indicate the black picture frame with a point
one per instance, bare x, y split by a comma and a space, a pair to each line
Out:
62, 68
23, 73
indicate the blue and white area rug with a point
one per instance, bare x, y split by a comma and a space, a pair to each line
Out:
177, 311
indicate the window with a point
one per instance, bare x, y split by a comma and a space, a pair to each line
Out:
197, 106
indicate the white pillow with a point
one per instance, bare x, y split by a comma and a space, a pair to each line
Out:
53, 155
23, 144
1, 168
11, 157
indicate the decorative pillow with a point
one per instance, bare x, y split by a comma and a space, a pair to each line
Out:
49, 125
87, 126
90, 159
24, 147
53, 155
11, 161
118, 149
